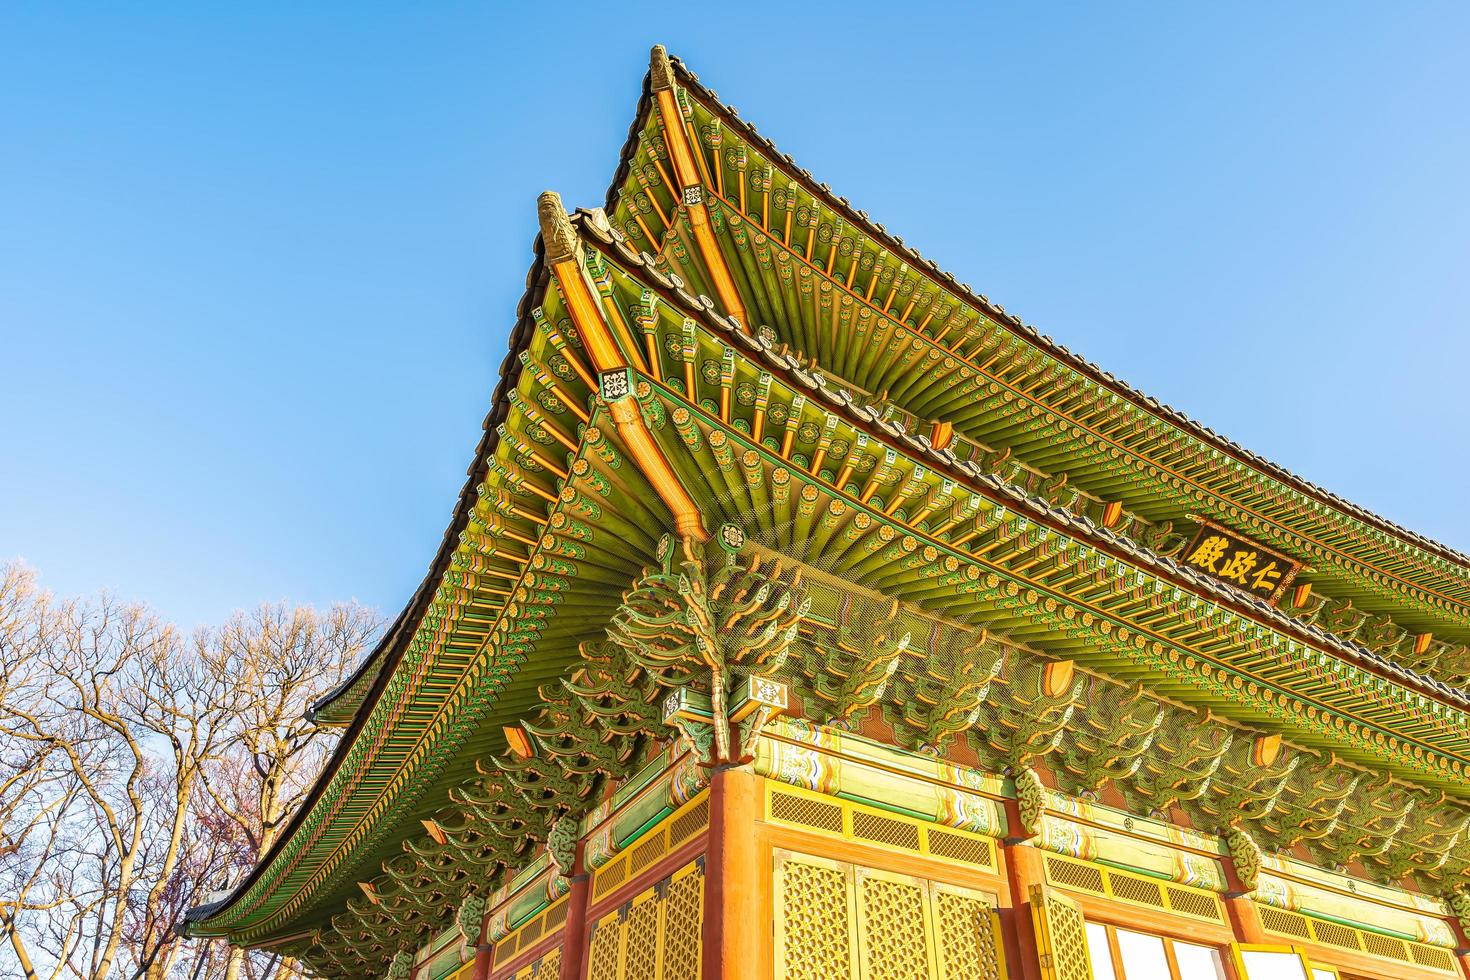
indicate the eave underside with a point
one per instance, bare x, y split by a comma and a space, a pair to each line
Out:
799, 251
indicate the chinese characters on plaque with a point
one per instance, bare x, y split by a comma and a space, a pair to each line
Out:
1227, 557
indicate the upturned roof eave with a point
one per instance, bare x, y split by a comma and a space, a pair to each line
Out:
379, 664
1026, 333
328, 706
1058, 518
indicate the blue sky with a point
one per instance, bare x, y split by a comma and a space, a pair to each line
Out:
258, 262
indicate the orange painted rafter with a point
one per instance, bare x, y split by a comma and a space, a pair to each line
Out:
687, 172
563, 255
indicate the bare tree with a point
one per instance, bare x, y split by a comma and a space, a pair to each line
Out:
138, 772
63, 708
292, 656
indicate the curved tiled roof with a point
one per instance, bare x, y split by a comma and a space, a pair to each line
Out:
1026, 332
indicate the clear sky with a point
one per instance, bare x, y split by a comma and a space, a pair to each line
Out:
258, 262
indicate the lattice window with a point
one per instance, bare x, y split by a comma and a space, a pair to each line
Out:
893, 932
549, 966
814, 921
1061, 935
640, 948
647, 851
505, 950
1335, 935
1193, 903
1285, 923
556, 917
683, 915
1075, 874
688, 823
838, 921
885, 830
654, 937
864, 824
1138, 890
1128, 886
610, 876
604, 955
1313, 929
1433, 956
967, 936
957, 847
803, 810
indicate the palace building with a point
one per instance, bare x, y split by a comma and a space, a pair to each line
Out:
807, 616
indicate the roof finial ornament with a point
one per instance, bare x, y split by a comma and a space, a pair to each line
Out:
660, 69
558, 236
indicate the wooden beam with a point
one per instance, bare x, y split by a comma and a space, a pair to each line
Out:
656, 468
563, 253
686, 172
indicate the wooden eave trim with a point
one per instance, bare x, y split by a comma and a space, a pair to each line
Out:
1073, 527
334, 860
1353, 566
586, 312
741, 439
386, 656
948, 284
688, 169
418, 716
1024, 396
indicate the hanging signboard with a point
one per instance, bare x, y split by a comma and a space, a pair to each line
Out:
1228, 557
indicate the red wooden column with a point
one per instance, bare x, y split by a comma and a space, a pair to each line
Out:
1245, 918
1023, 869
574, 933
484, 954
733, 917
1462, 957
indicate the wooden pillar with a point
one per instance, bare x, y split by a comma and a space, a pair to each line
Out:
733, 917
1245, 918
1024, 868
1462, 940
484, 957
574, 933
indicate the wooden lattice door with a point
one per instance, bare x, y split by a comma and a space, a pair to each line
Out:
1061, 935
839, 921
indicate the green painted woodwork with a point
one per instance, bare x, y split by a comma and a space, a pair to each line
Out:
935, 594
840, 290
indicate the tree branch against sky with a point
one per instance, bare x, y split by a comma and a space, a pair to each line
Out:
143, 771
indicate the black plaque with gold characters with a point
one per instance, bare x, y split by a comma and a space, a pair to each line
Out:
1228, 557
